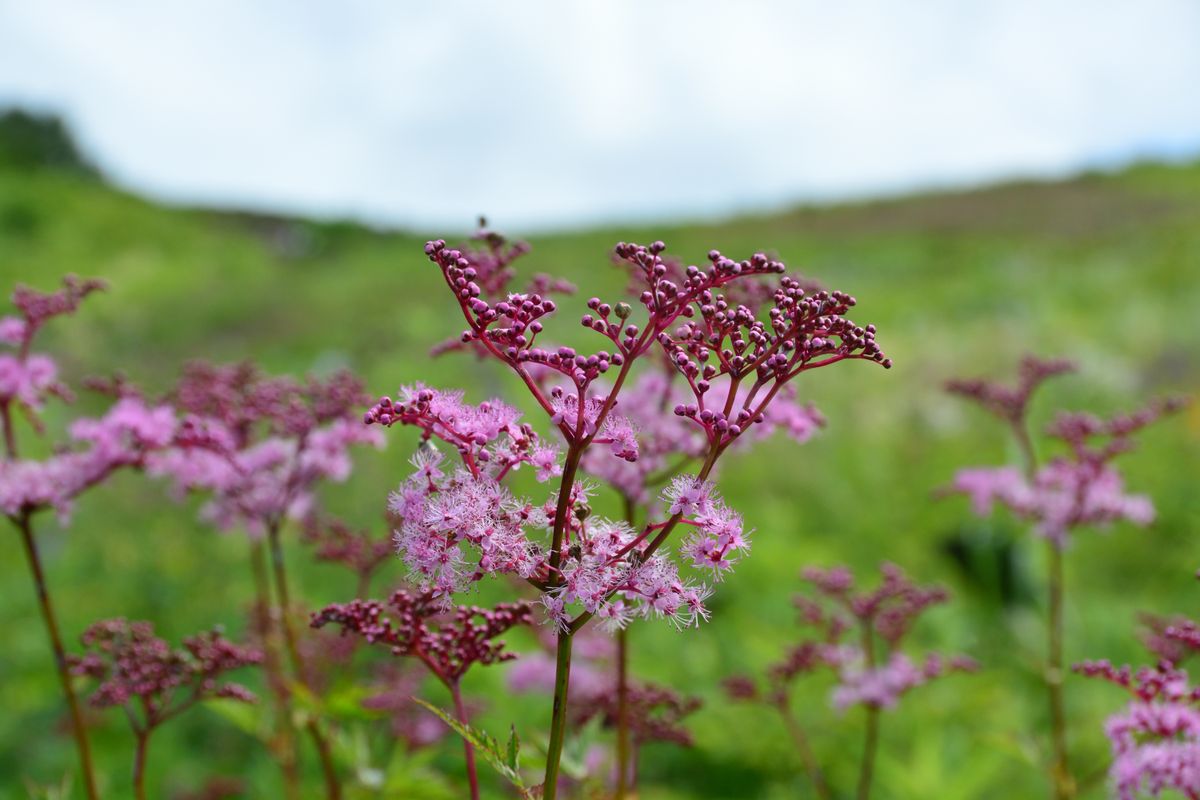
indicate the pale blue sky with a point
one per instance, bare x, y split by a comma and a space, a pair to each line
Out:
553, 113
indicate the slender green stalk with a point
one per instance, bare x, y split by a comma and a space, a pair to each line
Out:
871, 744
867, 771
1062, 780
562, 670
333, 788
558, 722
800, 740
283, 745
87, 771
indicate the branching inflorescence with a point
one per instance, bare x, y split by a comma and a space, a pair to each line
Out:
1156, 739
260, 447
154, 682
448, 643
124, 437
1078, 489
458, 523
858, 635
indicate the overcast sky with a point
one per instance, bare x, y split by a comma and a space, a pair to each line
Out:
545, 114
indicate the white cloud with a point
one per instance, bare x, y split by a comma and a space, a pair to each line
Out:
548, 113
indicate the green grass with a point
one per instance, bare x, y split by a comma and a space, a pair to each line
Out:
1104, 269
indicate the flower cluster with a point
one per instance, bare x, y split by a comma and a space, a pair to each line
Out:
418, 625
1156, 739
260, 445
440, 514
1078, 489
858, 635
1011, 403
667, 443
492, 255
154, 681
123, 437
593, 566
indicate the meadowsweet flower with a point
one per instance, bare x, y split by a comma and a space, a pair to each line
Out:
1076, 490
259, 446
730, 362
140, 671
448, 642
1011, 403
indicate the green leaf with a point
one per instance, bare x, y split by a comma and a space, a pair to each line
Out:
486, 745
514, 747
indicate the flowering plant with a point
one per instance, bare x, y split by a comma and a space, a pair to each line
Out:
447, 643
260, 447
459, 523
1156, 739
154, 683
124, 437
858, 636
1075, 490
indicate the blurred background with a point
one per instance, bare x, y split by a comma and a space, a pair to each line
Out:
989, 179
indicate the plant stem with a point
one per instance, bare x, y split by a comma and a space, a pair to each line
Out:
805, 750
1064, 782
24, 525
333, 788
871, 744
139, 765
468, 749
623, 749
558, 721
869, 747
284, 744
625, 780
562, 668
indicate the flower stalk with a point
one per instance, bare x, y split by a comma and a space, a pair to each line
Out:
50, 619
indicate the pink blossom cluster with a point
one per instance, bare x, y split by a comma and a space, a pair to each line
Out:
259, 446
1156, 739
124, 436
458, 524
151, 679
127, 436
457, 527
1081, 488
858, 636
882, 686
28, 379
667, 442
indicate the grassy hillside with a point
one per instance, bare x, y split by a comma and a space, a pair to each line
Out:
1104, 269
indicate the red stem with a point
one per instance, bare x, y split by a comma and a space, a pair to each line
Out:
139, 764
23, 524
461, 712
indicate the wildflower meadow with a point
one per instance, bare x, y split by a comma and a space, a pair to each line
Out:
306, 510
